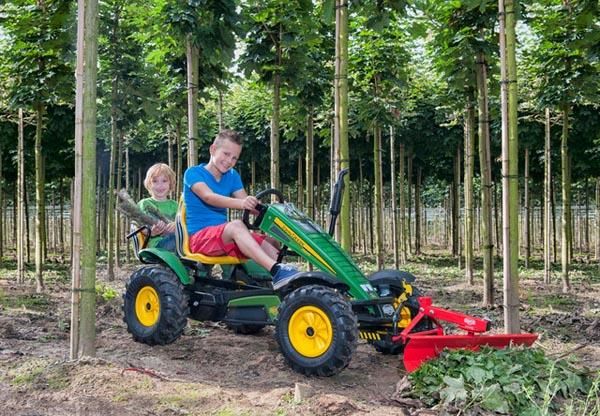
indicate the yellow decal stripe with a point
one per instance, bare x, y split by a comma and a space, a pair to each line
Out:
301, 242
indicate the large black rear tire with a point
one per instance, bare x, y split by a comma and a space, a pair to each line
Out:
155, 306
317, 331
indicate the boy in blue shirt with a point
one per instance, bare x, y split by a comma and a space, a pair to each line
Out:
209, 189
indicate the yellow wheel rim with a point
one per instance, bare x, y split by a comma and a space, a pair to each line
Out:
147, 306
310, 331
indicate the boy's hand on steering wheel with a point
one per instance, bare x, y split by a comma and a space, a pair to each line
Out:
250, 203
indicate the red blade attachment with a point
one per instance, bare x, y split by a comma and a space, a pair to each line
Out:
421, 348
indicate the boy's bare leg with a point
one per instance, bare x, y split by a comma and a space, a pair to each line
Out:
270, 247
236, 231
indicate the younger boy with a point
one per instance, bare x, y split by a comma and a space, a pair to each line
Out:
209, 189
160, 181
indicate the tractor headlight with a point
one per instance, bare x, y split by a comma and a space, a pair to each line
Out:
388, 310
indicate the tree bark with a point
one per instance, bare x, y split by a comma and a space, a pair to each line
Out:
393, 197
40, 228
21, 235
275, 119
527, 213
547, 202
310, 162
192, 57
83, 301
510, 167
378, 193
566, 200
468, 189
342, 155
418, 211
402, 195
486, 181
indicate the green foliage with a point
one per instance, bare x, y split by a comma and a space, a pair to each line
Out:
507, 381
105, 292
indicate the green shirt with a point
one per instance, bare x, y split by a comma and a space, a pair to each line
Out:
168, 208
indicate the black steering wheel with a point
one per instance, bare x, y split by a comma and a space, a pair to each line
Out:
261, 196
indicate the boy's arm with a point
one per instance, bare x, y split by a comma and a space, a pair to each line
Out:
240, 199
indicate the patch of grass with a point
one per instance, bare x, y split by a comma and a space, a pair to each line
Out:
33, 301
556, 301
38, 372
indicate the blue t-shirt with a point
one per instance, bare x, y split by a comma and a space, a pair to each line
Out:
198, 213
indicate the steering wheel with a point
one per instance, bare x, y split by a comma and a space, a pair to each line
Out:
261, 196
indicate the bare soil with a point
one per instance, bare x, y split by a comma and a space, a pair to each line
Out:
212, 371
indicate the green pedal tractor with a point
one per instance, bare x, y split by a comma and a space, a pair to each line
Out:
318, 315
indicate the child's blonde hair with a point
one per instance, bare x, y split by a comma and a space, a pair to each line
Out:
157, 170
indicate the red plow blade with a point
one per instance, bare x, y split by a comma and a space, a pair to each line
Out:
421, 348
425, 345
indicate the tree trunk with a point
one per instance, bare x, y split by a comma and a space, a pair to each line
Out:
510, 166
40, 228
179, 171
486, 181
393, 198
527, 214
299, 184
566, 200
468, 189
418, 211
2, 208
402, 192
547, 202
275, 132
378, 193
20, 234
119, 179
342, 160
409, 173
455, 203
598, 219
310, 162
83, 323
110, 207
192, 57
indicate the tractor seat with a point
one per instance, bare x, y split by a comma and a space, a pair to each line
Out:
183, 243
139, 238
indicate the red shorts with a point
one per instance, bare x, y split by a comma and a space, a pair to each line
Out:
209, 242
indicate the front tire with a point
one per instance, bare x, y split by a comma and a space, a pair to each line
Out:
155, 306
317, 331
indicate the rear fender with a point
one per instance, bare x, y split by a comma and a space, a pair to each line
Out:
169, 259
314, 278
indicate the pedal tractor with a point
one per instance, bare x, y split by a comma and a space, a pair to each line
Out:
318, 315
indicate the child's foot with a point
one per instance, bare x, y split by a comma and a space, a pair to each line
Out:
283, 275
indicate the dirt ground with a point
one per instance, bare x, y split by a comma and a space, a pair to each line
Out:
212, 371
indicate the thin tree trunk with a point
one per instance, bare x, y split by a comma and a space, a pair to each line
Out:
179, 157
393, 197
510, 166
598, 219
409, 173
275, 117
527, 214
2, 208
299, 183
468, 189
192, 57
402, 192
310, 162
486, 181
455, 203
20, 234
110, 208
566, 200
83, 301
119, 179
40, 228
418, 211
547, 201
378, 193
